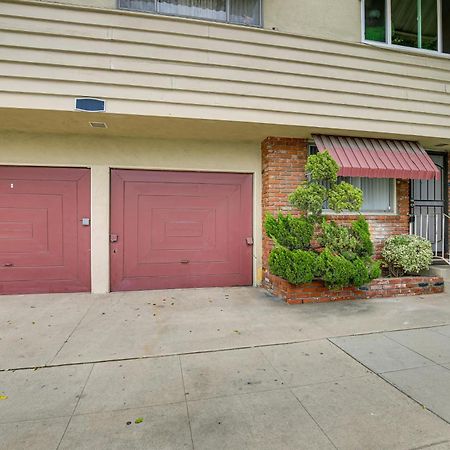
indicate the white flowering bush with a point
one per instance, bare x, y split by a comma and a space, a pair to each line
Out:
407, 255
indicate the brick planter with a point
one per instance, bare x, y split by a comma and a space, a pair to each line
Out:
316, 292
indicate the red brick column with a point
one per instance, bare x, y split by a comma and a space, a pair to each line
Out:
283, 169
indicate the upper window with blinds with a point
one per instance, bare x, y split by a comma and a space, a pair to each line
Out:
418, 24
242, 12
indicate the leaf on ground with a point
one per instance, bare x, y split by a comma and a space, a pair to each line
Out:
139, 420
3, 397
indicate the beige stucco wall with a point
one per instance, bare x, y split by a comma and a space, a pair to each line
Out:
102, 153
324, 18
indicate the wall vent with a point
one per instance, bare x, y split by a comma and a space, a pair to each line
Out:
98, 125
90, 104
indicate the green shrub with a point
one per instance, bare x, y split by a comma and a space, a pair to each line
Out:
309, 197
294, 233
345, 197
405, 254
374, 270
322, 167
361, 232
334, 270
295, 266
360, 272
351, 242
346, 258
337, 238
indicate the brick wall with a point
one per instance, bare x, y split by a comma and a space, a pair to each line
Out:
283, 166
316, 292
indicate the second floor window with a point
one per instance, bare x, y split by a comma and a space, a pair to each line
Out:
420, 24
243, 12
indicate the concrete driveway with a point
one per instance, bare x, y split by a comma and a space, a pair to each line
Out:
223, 369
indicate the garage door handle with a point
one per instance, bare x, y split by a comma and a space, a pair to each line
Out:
8, 265
249, 241
184, 261
113, 238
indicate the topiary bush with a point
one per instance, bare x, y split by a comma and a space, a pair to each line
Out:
407, 255
345, 197
294, 233
309, 198
360, 229
336, 271
351, 242
295, 266
321, 167
345, 256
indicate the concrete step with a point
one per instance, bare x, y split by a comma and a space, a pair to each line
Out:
442, 271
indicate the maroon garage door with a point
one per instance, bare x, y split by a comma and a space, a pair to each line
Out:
43, 245
180, 229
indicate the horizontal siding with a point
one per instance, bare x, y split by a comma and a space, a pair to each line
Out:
155, 65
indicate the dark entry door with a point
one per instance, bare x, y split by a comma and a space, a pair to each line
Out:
429, 207
44, 246
180, 229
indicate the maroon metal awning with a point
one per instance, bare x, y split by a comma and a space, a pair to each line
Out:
378, 158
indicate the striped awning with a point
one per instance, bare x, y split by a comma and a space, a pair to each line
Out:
378, 158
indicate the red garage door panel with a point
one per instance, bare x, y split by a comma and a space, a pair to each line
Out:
43, 245
180, 229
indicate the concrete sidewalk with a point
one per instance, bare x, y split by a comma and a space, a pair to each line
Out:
223, 369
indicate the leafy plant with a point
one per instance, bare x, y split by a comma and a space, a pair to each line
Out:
322, 168
405, 254
294, 233
322, 187
337, 238
361, 231
334, 270
309, 197
295, 266
345, 197
345, 259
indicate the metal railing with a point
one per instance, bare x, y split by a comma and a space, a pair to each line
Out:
433, 224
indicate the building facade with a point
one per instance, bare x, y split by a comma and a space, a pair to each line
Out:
142, 141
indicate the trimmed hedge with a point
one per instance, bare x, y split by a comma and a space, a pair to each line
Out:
295, 266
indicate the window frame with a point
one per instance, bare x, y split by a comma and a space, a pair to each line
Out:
312, 148
390, 45
227, 21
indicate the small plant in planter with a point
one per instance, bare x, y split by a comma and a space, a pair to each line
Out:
310, 246
407, 255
